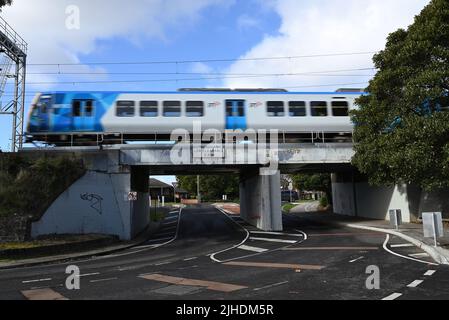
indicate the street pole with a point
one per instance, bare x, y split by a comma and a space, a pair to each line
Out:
198, 188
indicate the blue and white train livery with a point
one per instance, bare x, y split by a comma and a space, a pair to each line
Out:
56, 117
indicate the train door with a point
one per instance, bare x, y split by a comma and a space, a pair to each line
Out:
43, 107
235, 115
83, 112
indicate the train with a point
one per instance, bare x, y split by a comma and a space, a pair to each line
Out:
62, 118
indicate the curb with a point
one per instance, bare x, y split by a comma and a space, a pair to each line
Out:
70, 257
438, 254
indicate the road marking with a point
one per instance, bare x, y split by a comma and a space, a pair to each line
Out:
277, 233
171, 218
272, 240
211, 285
271, 286
37, 280
148, 246
400, 255
212, 256
430, 273
171, 212
253, 249
169, 223
331, 248
419, 255
159, 239
415, 283
374, 234
162, 263
274, 265
403, 245
190, 259
359, 258
102, 280
43, 294
393, 296
89, 274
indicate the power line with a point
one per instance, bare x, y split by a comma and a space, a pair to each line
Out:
205, 60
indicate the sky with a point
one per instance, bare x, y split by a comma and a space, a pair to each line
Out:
304, 34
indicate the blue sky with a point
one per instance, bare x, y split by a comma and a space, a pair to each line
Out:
163, 30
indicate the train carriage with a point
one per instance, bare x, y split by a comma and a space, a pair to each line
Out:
64, 117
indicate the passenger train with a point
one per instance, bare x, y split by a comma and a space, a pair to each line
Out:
84, 117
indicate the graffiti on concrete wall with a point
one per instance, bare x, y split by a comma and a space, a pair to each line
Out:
95, 201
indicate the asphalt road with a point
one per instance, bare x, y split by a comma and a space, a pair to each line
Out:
202, 253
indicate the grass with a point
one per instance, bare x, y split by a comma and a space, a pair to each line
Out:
288, 207
157, 214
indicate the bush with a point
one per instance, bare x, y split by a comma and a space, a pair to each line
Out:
324, 202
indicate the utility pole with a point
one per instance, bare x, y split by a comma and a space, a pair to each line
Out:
198, 188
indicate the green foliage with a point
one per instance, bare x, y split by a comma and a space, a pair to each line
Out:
401, 134
312, 182
324, 202
28, 187
212, 187
288, 207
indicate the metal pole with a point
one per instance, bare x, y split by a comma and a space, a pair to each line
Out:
198, 188
22, 116
15, 105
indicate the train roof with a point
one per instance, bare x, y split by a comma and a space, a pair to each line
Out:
222, 92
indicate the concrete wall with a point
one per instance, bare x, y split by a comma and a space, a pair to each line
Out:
260, 200
97, 203
358, 198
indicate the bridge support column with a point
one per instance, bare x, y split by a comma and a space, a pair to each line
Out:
260, 200
101, 202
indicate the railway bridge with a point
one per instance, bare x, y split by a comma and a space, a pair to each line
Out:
112, 197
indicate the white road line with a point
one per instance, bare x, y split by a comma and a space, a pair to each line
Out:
212, 256
415, 283
419, 255
190, 259
393, 296
37, 280
89, 274
169, 223
172, 212
273, 240
271, 286
400, 255
277, 233
159, 239
162, 263
359, 258
430, 273
253, 249
102, 280
403, 245
171, 218
147, 246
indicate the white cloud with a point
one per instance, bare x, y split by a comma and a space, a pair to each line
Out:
325, 26
245, 22
43, 24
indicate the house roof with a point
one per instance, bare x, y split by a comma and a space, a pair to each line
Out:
157, 184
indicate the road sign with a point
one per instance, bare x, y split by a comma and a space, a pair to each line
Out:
433, 225
290, 186
132, 196
395, 218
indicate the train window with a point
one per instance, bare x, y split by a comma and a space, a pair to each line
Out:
275, 109
340, 109
297, 109
172, 108
319, 108
149, 109
195, 109
76, 108
125, 109
89, 108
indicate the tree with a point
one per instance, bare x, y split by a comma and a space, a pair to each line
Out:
211, 187
5, 2
313, 182
401, 128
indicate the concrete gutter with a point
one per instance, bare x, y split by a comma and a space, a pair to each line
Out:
141, 239
438, 254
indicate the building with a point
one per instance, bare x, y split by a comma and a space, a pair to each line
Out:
159, 189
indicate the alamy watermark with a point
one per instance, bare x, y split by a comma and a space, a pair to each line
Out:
73, 19
249, 147
373, 281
